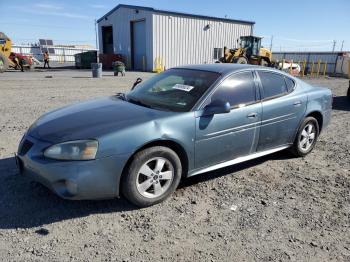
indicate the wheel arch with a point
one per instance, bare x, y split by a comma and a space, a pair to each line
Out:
318, 116
173, 145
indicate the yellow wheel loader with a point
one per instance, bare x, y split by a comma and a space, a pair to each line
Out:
249, 52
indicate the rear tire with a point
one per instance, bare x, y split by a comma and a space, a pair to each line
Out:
306, 137
241, 60
4, 65
152, 176
349, 94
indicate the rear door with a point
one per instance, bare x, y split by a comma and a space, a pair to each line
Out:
223, 137
283, 107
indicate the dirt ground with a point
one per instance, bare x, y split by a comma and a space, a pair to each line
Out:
276, 208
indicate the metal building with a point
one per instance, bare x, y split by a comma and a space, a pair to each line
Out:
147, 37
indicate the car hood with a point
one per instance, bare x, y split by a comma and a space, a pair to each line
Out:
91, 119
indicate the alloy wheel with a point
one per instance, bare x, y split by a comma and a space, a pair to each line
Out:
155, 177
307, 137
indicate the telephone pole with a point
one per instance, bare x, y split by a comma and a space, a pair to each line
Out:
96, 38
334, 43
342, 44
271, 43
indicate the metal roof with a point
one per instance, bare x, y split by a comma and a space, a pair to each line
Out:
175, 13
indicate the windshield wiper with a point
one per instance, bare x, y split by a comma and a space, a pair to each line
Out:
138, 102
122, 96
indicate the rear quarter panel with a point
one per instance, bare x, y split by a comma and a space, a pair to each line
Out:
319, 100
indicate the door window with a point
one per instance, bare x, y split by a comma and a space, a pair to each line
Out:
239, 90
273, 84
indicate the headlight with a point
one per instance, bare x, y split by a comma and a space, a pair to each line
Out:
73, 150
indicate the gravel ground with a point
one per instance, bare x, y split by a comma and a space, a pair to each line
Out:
276, 208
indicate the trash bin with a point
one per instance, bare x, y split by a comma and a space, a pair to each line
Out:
85, 59
96, 70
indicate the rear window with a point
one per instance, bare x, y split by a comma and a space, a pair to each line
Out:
273, 84
290, 84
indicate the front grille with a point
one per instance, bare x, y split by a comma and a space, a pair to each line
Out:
25, 147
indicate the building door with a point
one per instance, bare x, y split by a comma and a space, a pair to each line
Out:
138, 45
107, 39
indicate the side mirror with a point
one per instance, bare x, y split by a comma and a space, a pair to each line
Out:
138, 81
216, 107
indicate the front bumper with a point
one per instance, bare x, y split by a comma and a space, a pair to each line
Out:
76, 180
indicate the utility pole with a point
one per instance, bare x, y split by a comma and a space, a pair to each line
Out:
271, 43
96, 36
342, 44
334, 43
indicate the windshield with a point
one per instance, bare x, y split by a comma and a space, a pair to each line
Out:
174, 90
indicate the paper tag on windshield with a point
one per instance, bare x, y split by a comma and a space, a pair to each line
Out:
183, 87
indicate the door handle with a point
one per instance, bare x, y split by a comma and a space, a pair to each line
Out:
252, 115
297, 103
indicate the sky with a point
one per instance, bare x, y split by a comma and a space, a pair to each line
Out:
296, 25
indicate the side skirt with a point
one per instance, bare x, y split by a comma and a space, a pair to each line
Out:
237, 160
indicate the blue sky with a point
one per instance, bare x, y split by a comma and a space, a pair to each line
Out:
295, 24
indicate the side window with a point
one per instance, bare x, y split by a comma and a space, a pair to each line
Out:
273, 84
217, 53
290, 84
238, 89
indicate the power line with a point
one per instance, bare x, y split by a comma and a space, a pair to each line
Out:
43, 26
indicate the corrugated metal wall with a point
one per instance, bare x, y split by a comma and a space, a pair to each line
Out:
120, 20
329, 57
62, 54
180, 40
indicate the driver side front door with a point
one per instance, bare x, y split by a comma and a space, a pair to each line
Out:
223, 137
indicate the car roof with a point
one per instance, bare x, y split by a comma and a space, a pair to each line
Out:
228, 68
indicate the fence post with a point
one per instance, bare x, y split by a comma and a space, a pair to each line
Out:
312, 69
282, 64
318, 67
290, 67
304, 66
324, 68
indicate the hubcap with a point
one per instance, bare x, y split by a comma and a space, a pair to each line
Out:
307, 137
155, 177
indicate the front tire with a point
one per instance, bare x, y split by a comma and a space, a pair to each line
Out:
152, 176
306, 137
